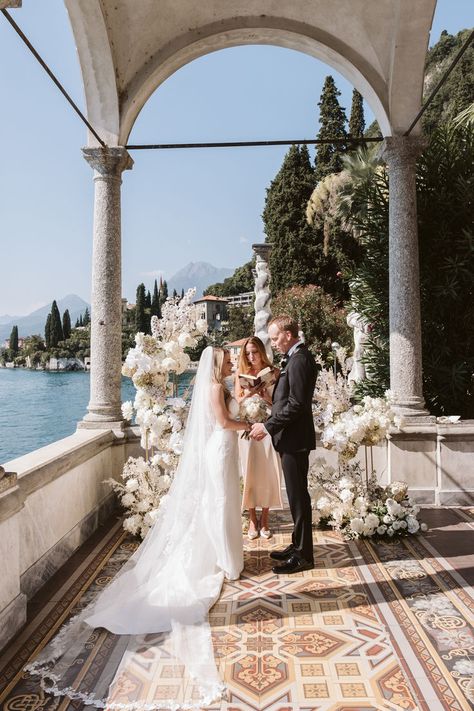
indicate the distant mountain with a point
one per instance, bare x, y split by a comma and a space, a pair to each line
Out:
198, 274
34, 322
6, 319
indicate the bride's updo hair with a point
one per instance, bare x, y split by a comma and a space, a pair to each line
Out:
244, 365
217, 377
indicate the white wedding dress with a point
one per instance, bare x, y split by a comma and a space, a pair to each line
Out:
156, 608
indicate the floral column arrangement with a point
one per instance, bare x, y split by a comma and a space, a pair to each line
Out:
349, 499
154, 366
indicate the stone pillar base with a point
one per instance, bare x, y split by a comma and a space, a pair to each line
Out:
116, 425
413, 408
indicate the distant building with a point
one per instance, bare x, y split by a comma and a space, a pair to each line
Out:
234, 349
244, 299
213, 310
21, 341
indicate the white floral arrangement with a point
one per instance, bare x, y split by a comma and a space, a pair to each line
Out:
154, 365
253, 409
344, 426
143, 491
345, 500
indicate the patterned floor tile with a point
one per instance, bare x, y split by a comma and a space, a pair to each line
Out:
374, 627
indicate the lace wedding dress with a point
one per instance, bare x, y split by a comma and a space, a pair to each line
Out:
151, 622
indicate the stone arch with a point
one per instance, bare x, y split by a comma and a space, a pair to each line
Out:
304, 39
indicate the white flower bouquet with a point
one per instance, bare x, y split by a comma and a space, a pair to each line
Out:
253, 409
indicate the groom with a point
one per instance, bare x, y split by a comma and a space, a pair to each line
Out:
291, 428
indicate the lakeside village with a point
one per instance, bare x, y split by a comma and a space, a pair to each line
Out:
65, 347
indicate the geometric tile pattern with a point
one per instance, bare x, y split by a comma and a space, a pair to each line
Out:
374, 627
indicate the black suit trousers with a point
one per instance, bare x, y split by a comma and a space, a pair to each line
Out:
295, 470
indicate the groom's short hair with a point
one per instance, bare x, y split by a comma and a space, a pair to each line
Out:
285, 323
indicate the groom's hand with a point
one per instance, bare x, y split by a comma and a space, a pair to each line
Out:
258, 431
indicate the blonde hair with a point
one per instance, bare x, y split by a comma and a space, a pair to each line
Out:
285, 323
244, 365
217, 364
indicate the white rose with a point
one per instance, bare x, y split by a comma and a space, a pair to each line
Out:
128, 500
127, 410
387, 518
357, 525
132, 485
346, 495
381, 530
424, 527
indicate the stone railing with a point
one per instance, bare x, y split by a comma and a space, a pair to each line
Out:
51, 501
436, 460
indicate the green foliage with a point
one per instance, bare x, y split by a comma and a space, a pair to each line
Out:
445, 185
318, 315
55, 327
140, 315
357, 121
86, 319
446, 234
47, 331
148, 300
239, 282
14, 341
293, 256
66, 324
332, 120
240, 322
155, 302
458, 91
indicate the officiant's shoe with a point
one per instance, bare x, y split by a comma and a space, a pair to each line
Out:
282, 555
292, 565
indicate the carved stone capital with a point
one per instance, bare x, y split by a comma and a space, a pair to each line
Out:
262, 250
109, 161
400, 151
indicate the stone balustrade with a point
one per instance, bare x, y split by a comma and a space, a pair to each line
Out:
51, 503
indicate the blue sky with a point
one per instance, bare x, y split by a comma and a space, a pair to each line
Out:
178, 206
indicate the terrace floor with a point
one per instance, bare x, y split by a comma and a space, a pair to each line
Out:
375, 626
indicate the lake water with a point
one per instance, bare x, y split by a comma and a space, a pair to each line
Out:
38, 407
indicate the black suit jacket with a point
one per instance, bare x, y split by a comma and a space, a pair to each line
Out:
291, 423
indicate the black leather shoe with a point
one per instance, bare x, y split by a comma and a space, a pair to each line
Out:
292, 565
282, 555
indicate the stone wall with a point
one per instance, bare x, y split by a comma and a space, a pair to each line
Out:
49, 507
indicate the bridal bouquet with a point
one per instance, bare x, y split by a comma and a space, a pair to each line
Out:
253, 409
347, 503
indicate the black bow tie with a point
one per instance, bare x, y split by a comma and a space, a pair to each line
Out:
284, 361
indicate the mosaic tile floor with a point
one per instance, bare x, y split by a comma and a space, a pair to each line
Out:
375, 626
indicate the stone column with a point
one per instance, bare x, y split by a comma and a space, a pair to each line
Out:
262, 295
106, 307
400, 154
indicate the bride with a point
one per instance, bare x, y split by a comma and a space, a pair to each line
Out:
152, 619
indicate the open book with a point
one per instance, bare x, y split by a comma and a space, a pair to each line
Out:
251, 381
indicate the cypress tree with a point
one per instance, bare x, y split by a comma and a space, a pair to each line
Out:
148, 300
175, 293
182, 293
77, 323
47, 332
164, 291
357, 121
66, 325
14, 341
155, 302
140, 315
55, 329
81, 322
87, 319
332, 120
292, 260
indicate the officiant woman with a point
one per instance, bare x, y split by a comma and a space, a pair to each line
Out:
261, 467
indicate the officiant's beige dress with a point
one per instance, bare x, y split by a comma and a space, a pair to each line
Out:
261, 471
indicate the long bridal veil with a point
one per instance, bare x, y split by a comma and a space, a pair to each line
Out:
145, 642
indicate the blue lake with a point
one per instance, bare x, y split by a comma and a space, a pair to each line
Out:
38, 407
